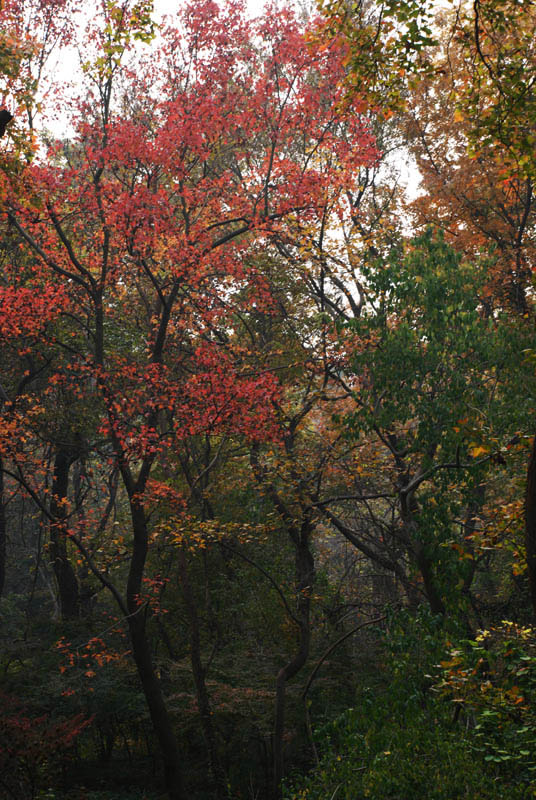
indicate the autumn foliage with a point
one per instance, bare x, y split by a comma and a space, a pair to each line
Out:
254, 401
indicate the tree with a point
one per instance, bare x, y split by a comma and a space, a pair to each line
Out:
480, 196
471, 131
429, 377
145, 223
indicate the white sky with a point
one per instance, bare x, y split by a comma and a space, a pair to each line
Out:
67, 66
162, 7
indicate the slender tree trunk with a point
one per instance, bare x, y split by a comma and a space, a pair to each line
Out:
530, 525
3, 532
141, 650
63, 570
198, 671
469, 528
304, 570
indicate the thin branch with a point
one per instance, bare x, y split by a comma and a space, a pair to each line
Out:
333, 647
267, 576
49, 261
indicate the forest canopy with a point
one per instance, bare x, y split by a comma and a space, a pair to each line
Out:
267, 417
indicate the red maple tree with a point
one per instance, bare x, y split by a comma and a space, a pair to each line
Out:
143, 238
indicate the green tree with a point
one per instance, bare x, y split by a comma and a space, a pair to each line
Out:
438, 387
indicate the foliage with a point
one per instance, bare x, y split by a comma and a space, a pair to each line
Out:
491, 680
498, 44
384, 43
32, 748
247, 412
400, 739
426, 376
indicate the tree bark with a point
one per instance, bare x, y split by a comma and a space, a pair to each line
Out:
3, 532
198, 672
417, 550
65, 576
141, 651
425, 567
304, 571
530, 525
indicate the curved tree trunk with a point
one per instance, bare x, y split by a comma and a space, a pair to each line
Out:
141, 650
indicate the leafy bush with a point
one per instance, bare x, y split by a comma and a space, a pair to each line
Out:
405, 737
31, 748
492, 681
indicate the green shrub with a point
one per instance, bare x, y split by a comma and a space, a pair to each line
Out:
405, 738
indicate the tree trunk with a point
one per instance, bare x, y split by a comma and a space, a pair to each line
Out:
304, 571
469, 528
425, 567
141, 651
63, 570
530, 525
417, 550
3, 532
198, 671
